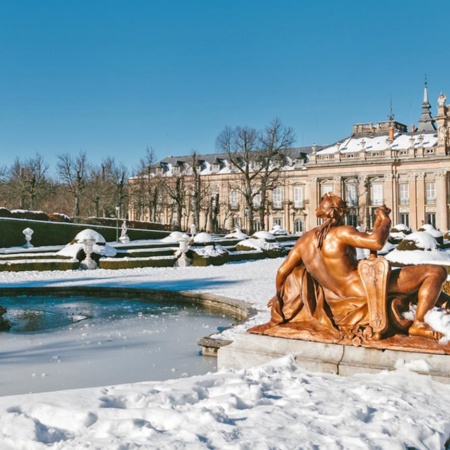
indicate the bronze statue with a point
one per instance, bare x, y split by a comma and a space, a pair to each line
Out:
322, 290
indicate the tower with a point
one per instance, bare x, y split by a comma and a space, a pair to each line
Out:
426, 122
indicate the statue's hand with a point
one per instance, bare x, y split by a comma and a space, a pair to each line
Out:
383, 210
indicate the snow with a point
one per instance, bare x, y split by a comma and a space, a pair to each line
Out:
264, 235
211, 251
380, 143
237, 233
175, 236
203, 237
431, 230
100, 246
275, 406
278, 231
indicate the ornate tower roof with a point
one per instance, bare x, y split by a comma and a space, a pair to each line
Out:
426, 122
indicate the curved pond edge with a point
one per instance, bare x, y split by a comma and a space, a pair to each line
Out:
237, 309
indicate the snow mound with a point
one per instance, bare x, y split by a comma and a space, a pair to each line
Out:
431, 230
421, 240
100, 247
203, 237
264, 235
278, 231
400, 227
211, 251
257, 244
236, 234
175, 237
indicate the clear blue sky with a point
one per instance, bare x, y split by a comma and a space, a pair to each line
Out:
114, 77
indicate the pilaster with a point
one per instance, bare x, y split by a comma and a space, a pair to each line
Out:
441, 199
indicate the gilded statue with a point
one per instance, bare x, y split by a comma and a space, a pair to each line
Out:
323, 290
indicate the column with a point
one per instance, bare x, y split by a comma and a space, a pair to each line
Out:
441, 200
337, 186
362, 202
389, 197
412, 201
311, 220
420, 199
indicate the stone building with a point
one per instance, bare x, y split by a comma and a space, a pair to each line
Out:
407, 169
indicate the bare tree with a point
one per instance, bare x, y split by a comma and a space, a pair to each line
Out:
73, 172
175, 189
98, 188
147, 187
116, 178
199, 190
255, 156
28, 180
275, 141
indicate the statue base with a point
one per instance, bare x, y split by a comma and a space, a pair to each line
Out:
248, 350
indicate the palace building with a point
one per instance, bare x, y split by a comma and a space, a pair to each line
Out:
384, 162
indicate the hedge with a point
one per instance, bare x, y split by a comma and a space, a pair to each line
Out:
56, 233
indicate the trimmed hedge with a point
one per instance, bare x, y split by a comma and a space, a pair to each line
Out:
135, 263
55, 233
15, 266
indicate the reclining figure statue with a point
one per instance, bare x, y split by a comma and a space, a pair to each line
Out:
321, 285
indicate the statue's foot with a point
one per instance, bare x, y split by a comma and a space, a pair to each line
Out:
424, 330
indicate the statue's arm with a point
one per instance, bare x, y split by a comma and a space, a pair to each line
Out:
375, 240
290, 263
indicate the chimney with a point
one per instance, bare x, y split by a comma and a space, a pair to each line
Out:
391, 133
413, 128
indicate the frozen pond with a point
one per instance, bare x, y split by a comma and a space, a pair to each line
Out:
74, 342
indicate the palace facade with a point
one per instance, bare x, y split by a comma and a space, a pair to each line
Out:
385, 162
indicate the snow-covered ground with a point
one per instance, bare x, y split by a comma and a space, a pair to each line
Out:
276, 406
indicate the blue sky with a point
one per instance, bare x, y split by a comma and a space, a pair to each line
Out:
112, 78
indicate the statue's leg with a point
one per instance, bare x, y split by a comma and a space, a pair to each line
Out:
427, 280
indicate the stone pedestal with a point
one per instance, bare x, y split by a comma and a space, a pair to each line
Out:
248, 350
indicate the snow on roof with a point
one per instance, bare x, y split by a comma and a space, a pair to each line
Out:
379, 142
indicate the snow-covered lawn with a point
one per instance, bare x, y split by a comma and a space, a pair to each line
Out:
276, 406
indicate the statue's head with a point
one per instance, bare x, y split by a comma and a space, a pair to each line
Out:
332, 207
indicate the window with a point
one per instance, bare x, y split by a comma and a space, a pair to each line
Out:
278, 221
298, 197
431, 219
404, 194
278, 197
376, 194
351, 195
257, 200
325, 188
234, 199
298, 226
430, 193
257, 225
404, 219
352, 219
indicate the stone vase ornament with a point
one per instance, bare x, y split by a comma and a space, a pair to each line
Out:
88, 262
183, 260
28, 233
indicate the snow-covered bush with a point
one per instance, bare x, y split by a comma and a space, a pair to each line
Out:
272, 248
236, 233
202, 238
398, 233
438, 235
278, 231
175, 237
76, 248
418, 248
269, 237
